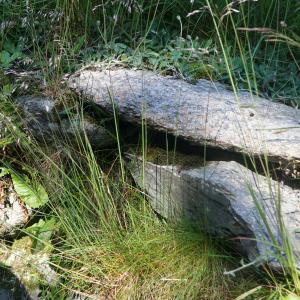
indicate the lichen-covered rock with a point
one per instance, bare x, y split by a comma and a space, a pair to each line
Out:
13, 211
31, 268
43, 121
227, 200
205, 113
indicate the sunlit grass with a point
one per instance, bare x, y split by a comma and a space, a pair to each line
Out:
112, 243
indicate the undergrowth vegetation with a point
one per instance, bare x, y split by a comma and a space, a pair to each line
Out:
105, 239
107, 242
197, 39
114, 246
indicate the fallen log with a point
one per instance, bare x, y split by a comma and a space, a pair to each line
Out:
43, 121
205, 113
227, 200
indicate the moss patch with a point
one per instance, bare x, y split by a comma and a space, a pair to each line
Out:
162, 157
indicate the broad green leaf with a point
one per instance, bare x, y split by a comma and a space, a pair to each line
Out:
9, 46
42, 231
32, 193
7, 89
5, 58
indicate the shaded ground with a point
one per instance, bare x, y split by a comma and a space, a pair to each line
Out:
10, 287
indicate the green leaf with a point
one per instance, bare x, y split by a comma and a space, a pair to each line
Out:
43, 229
9, 46
5, 59
32, 193
79, 43
16, 55
42, 232
4, 171
7, 89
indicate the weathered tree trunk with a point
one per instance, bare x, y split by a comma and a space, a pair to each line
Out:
225, 199
45, 124
204, 113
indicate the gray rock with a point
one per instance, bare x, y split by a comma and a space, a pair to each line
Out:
43, 121
204, 113
31, 266
225, 198
13, 212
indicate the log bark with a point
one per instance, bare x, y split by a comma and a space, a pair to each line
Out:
225, 199
44, 123
205, 113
